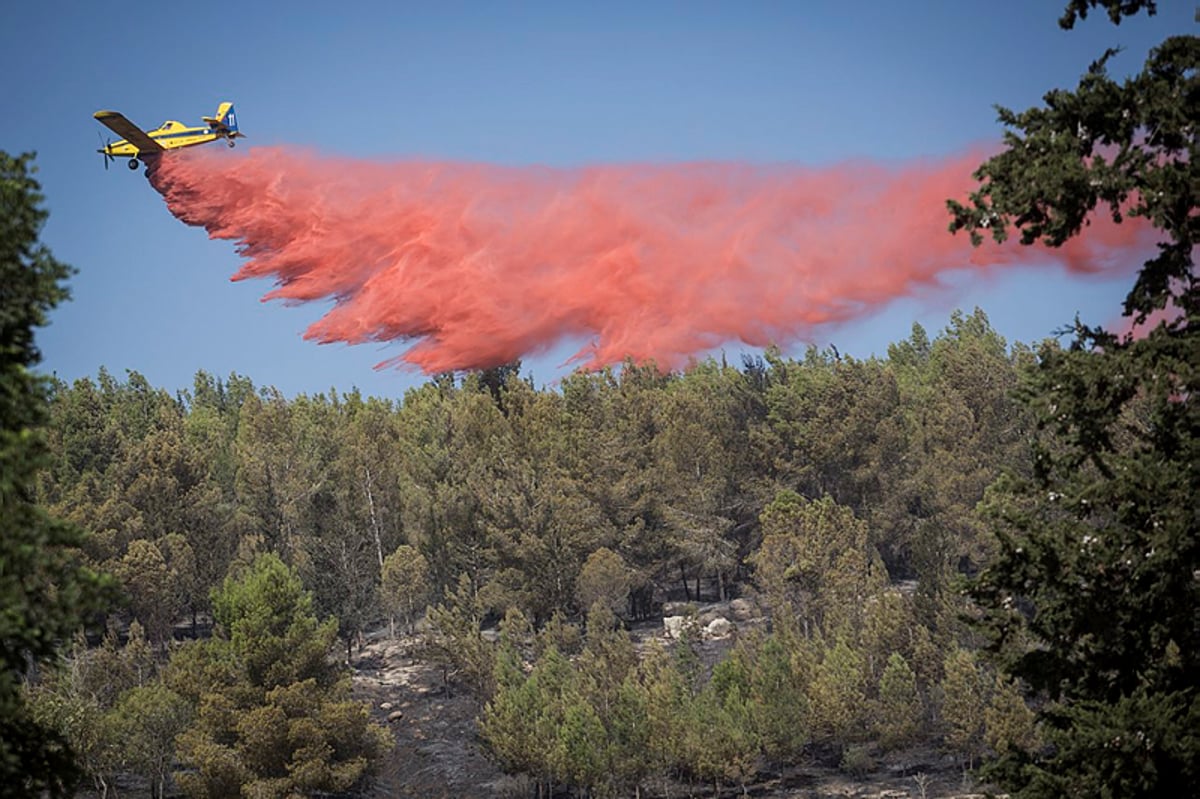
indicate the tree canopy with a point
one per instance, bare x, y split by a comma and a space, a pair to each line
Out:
1092, 600
273, 715
46, 591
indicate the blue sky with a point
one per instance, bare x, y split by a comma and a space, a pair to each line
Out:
554, 83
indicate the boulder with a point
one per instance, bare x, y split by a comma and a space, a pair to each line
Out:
717, 610
673, 625
742, 609
719, 627
395, 716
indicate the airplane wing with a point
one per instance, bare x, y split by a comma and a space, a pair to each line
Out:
118, 124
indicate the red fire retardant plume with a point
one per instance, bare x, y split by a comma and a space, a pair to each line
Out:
477, 265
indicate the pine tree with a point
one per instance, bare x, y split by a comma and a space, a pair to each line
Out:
1092, 599
508, 723
604, 578
150, 585
273, 716
900, 715
45, 592
837, 695
147, 719
456, 638
1008, 721
404, 586
964, 699
778, 702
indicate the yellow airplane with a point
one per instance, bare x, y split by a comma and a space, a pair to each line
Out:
170, 135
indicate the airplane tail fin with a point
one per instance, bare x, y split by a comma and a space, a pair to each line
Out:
226, 119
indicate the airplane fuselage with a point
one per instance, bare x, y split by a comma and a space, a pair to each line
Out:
170, 135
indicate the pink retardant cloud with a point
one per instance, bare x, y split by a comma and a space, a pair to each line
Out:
475, 265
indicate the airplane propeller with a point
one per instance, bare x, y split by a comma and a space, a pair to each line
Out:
104, 150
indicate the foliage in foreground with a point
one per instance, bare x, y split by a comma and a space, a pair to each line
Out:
110, 705
46, 592
1092, 600
273, 716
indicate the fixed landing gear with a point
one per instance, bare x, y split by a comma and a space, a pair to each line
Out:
133, 163
230, 142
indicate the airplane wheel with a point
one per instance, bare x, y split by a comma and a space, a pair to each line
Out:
133, 163
229, 142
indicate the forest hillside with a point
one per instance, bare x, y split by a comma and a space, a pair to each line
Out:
967, 554
837, 499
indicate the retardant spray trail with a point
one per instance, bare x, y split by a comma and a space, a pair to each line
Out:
478, 265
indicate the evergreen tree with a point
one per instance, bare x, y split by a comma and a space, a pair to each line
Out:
508, 723
583, 725
1008, 721
899, 718
604, 578
721, 742
1093, 597
815, 560
45, 592
667, 693
964, 700
629, 738
273, 716
837, 695
151, 587
607, 660
404, 586
778, 701
146, 720
456, 640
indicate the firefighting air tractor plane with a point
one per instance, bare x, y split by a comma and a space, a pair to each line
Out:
170, 135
